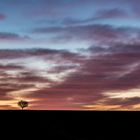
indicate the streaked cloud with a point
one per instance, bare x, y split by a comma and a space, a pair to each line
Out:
5, 36
20, 77
70, 54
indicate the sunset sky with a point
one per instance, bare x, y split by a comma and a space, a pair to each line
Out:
70, 54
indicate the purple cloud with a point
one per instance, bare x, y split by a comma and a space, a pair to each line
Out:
5, 36
97, 33
111, 14
2, 17
105, 14
113, 69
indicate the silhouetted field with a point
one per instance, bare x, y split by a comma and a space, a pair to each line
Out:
73, 125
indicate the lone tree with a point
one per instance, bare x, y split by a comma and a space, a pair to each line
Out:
23, 104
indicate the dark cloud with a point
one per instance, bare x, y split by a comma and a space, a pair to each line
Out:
56, 79
27, 77
111, 14
62, 68
51, 54
116, 70
12, 36
9, 67
105, 14
117, 48
96, 33
107, 69
18, 78
123, 102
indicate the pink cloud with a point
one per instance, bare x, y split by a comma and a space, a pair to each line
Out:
115, 71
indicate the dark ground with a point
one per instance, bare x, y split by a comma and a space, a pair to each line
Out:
72, 125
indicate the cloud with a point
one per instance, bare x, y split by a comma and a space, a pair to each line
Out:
2, 17
97, 33
61, 79
9, 67
7, 107
115, 104
112, 66
114, 69
103, 77
100, 15
124, 102
111, 14
23, 72
5, 36
73, 81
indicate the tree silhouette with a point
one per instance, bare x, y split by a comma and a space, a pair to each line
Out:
23, 104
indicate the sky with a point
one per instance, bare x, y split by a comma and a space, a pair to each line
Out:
70, 54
